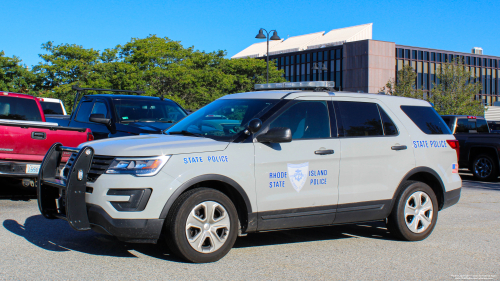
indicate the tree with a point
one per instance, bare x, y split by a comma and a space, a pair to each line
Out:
456, 90
159, 66
405, 84
15, 77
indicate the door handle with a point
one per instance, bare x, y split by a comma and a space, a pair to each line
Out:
324, 152
38, 135
399, 147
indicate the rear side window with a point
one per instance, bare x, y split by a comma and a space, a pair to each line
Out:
468, 126
51, 108
450, 121
19, 109
360, 119
427, 119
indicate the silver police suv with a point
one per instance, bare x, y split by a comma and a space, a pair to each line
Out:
257, 161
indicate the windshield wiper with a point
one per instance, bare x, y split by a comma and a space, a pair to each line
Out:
185, 133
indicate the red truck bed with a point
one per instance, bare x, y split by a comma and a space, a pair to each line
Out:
25, 137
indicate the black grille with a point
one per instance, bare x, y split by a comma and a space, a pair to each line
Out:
99, 165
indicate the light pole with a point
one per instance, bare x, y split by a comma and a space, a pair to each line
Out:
323, 68
262, 36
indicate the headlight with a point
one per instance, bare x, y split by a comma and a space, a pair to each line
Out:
141, 167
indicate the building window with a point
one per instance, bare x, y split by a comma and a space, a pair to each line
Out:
338, 53
426, 75
407, 54
433, 56
426, 55
438, 59
419, 75
433, 75
420, 55
320, 56
399, 52
315, 57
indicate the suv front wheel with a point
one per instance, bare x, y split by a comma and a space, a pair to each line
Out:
415, 212
202, 225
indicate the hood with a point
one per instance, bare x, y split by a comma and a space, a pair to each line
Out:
153, 145
148, 127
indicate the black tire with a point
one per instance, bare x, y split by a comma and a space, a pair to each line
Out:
397, 222
484, 167
177, 232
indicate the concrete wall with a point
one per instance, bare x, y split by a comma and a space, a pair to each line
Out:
368, 65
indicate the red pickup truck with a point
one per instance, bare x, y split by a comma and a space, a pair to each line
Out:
25, 137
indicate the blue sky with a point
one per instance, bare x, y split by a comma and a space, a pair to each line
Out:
232, 25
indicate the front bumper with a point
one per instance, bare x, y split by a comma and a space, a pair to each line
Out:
127, 230
64, 198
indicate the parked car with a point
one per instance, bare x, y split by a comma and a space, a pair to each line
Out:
494, 127
478, 147
111, 115
25, 137
52, 106
287, 158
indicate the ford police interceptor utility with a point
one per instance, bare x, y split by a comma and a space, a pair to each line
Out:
269, 160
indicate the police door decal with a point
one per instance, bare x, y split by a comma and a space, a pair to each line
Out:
298, 174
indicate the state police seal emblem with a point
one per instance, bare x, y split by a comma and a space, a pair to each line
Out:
298, 174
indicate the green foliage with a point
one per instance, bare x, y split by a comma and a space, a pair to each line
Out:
405, 84
456, 91
159, 66
14, 77
453, 95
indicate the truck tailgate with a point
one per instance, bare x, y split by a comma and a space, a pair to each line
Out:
29, 141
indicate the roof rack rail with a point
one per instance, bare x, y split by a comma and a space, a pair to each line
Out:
79, 89
308, 85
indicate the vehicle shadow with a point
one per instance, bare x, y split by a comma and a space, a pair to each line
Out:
468, 181
374, 230
58, 236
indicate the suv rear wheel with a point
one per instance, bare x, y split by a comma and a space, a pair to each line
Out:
202, 225
484, 167
415, 212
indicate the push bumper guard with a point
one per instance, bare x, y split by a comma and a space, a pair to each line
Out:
64, 198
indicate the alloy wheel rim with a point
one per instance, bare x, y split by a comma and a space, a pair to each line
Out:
418, 212
207, 227
483, 167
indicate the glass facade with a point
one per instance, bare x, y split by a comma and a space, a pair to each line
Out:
299, 66
427, 63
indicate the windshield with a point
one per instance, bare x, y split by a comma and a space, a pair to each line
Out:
136, 110
222, 119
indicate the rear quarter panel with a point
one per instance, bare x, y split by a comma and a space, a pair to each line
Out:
431, 151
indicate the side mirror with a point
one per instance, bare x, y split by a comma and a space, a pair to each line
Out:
100, 118
254, 125
276, 135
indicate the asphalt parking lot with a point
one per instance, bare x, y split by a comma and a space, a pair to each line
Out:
464, 245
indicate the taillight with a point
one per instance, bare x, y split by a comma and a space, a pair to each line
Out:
454, 144
90, 137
